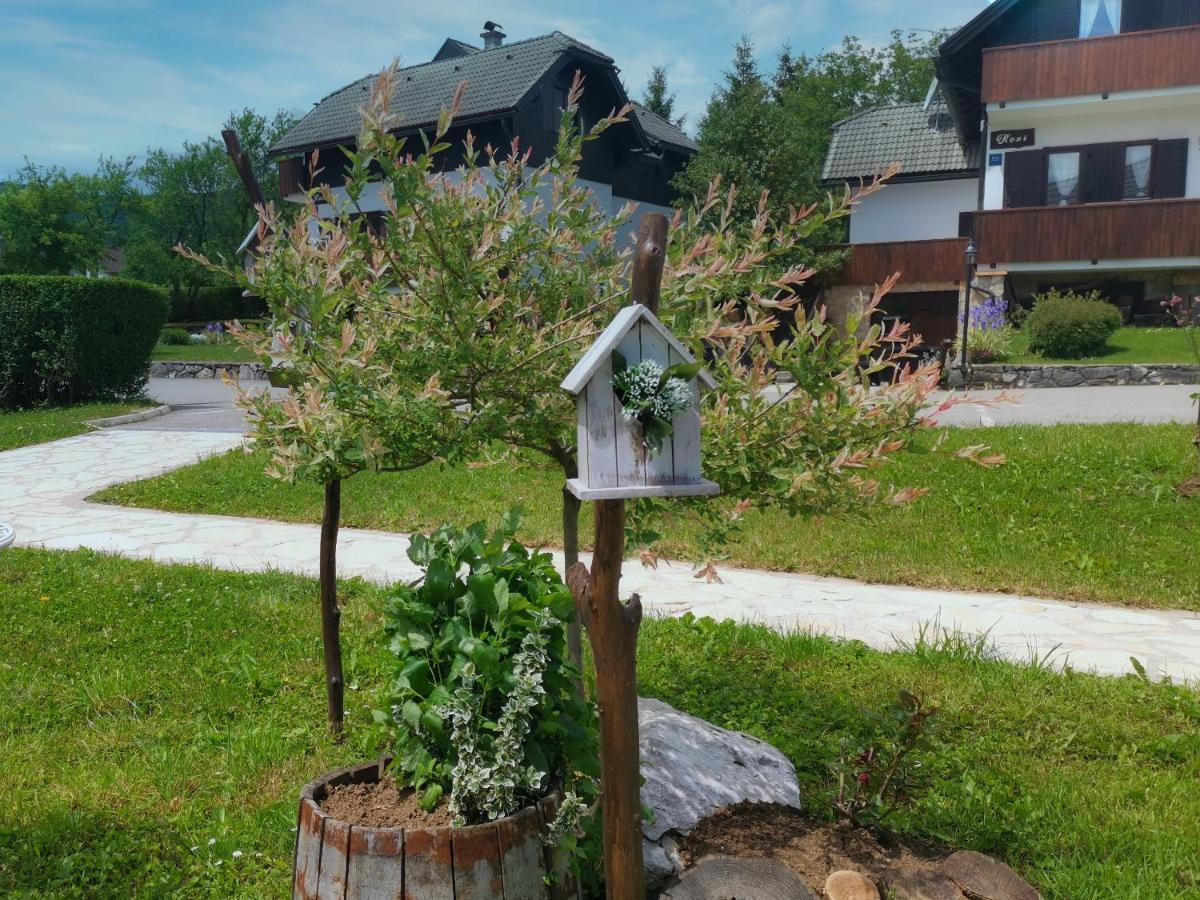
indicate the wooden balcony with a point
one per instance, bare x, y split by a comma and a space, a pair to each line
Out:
918, 262
1140, 60
1142, 229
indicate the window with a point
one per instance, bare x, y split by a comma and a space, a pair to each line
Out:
1137, 171
1099, 17
1062, 178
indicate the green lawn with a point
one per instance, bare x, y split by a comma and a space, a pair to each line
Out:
1127, 345
159, 722
201, 353
36, 426
1082, 512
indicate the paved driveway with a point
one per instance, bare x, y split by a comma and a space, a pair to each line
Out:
1051, 406
197, 404
200, 404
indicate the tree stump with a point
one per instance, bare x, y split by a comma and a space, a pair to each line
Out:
504, 860
727, 878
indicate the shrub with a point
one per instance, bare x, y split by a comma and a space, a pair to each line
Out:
989, 335
1071, 326
174, 337
483, 705
72, 339
216, 304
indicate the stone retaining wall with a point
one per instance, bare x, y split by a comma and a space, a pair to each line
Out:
1012, 376
240, 371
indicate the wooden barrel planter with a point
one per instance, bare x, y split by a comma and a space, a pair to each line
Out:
502, 860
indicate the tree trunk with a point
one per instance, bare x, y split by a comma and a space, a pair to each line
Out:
330, 614
613, 628
571, 506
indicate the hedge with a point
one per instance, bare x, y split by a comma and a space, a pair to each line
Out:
1068, 326
216, 304
72, 339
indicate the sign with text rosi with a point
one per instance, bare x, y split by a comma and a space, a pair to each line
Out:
1012, 139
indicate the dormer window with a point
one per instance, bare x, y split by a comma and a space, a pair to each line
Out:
1098, 18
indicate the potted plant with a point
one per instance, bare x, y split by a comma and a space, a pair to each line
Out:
490, 775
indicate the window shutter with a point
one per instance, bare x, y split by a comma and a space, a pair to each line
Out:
1102, 168
1024, 178
1170, 168
1055, 20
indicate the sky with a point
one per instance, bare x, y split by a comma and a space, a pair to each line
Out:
85, 78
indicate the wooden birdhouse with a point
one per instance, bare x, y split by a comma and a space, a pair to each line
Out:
637, 394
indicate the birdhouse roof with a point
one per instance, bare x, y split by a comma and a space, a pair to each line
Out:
626, 319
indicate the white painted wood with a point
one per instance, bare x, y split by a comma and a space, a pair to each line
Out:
699, 488
660, 468
601, 417
587, 367
631, 455
686, 440
599, 352
613, 461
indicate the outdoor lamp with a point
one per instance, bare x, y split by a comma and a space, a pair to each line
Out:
971, 254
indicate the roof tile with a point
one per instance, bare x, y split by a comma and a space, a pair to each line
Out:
921, 140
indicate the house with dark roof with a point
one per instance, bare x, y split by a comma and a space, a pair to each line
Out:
1061, 140
515, 90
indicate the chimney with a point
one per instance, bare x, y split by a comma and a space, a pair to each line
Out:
492, 36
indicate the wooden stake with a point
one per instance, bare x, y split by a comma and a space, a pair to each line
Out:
330, 614
612, 627
645, 283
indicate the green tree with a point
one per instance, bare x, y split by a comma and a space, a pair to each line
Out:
772, 134
452, 328
659, 98
44, 224
195, 198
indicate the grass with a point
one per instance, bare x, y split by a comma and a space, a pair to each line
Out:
1158, 346
217, 353
36, 426
1080, 512
159, 722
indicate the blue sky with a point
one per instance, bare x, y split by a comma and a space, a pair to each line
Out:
81, 78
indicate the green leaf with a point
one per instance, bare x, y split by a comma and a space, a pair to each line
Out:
430, 798
685, 371
618, 363
410, 715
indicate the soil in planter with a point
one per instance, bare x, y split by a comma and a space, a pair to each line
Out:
810, 849
383, 804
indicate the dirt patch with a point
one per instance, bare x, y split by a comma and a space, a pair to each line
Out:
382, 804
1190, 488
810, 849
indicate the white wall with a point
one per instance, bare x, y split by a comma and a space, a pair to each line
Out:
1099, 121
371, 201
913, 211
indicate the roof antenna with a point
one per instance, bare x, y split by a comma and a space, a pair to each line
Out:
933, 87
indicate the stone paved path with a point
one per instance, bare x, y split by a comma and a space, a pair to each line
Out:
42, 491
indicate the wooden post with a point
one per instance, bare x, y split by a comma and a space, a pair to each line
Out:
330, 614
645, 283
612, 627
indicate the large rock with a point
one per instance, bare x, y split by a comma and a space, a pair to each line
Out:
691, 769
